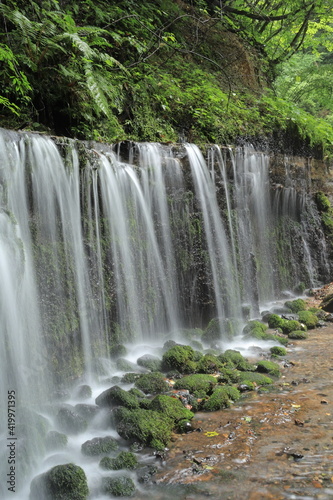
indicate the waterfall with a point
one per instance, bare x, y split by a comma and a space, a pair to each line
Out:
133, 243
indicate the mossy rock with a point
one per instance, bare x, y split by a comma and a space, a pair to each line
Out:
291, 325
115, 396
318, 312
308, 318
117, 351
62, 482
181, 358
196, 382
213, 331
152, 383
278, 351
118, 486
275, 321
56, 441
88, 412
298, 335
125, 460
252, 325
229, 375
171, 407
148, 427
152, 363
124, 365
70, 421
84, 391
221, 398
295, 305
99, 446
256, 378
130, 378
327, 303
209, 364
236, 359
245, 386
269, 367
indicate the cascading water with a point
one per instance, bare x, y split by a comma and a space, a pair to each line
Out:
96, 250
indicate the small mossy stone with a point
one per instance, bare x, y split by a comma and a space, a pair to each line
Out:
256, 378
298, 335
121, 486
62, 482
56, 440
295, 305
70, 421
213, 331
151, 362
221, 398
144, 426
209, 364
291, 325
152, 383
251, 325
274, 321
196, 382
125, 460
124, 365
269, 367
236, 359
308, 318
117, 396
117, 351
179, 357
84, 392
278, 351
130, 378
229, 375
171, 407
88, 412
99, 446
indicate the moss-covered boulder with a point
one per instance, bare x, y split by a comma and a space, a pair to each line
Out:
269, 367
252, 325
56, 441
99, 446
181, 358
229, 375
124, 365
278, 351
70, 421
221, 397
117, 351
209, 364
234, 358
196, 382
151, 362
171, 407
115, 396
275, 321
148, 427
118, 486
62, 482
88, 412
295, 305
213, 331
152, 383
291, 325
308, 318
125, 460
298, 335
130, 378
84, 391
255, 378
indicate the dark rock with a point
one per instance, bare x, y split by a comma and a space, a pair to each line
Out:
63, 482
151, 362
70, 421
99, 446
121, 486
56, 440
86, 411
84, 392
116, 396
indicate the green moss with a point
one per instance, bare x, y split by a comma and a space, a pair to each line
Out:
278, 351
152, 363
99, 446
256, 378
130, 378
221, 398
124, 365
209, 364
298, 335
171, 407
118, 486
117, 351
125, 460
229, 375
62, 482
116, 396
181, 358
196, 382
237, 360
308, 318
291, 325
322, 202
275, 321
269, 367
212, 332
152, 383
151, 428
295, 305
253, 325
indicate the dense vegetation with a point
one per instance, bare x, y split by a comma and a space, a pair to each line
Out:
206, 70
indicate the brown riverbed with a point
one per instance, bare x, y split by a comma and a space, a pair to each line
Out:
276, 445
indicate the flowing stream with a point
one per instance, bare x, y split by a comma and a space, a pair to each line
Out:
130, 244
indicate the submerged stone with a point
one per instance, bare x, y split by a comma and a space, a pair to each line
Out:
70, 421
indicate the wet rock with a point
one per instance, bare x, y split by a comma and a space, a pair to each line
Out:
121, 486
99, 446
84, 392
88, 412
116, 396
56, 440
146, 473
151, 362
63, 482
70, 421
